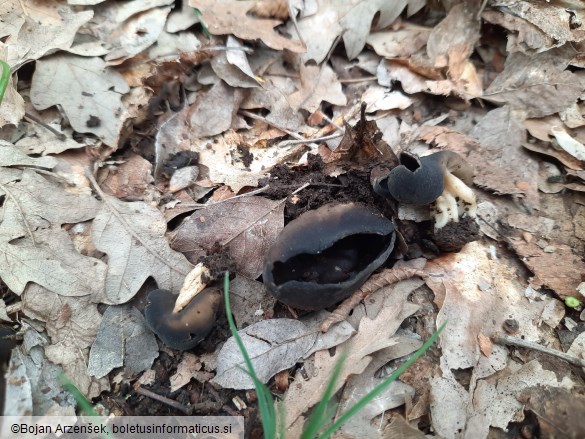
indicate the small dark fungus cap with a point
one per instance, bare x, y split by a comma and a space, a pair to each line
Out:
324, 255
187, 328
420, 180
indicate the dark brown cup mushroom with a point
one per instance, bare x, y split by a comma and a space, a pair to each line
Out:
324, 255
186, 328
441, 178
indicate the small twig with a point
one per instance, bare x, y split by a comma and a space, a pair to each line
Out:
120, 218
263, 119
247, 194
170, 402
293, 18
26, 224
62, 137
332, 122
14, 308
481, 8
374, 283
315, 139
515, 341
356, 80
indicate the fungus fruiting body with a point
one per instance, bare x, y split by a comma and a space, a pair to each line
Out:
440, 179
324, 255
186, 328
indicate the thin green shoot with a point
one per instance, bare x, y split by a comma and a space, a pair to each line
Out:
321, 414
198, 14
4, 78
85, 406
382, 386
265, 400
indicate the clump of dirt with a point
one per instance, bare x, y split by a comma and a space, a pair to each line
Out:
454, 236
354, 186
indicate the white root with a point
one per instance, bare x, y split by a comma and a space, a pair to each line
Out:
456, 201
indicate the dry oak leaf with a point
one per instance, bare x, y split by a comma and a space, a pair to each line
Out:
273, 345
537, 84
72, 323
566, 274
133, 237
246, 227
349, 19
123, 339
224, 17
89, 92
37, 38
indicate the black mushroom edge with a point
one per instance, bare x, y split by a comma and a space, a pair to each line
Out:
442, 178
186, 328
324, 255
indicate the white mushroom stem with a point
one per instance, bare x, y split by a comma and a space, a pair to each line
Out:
457, 200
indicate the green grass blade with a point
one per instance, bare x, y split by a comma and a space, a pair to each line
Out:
382, 386
198, 14
320, 415
265, 400
4, 78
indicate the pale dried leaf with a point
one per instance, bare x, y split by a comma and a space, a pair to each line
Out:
87, 90
349, 19
11, 17
568, 143
381, 98
250, 302
132, 235
12, 108
181, 19
123, 339
18, 399
207, 117
273, 345
246, 227
495, 399
37, 38
188, 366
138, 33
523, 36
39, 140
317, 84
358, 386
72, 323
52, 262
400, 43
226, 17
12, 156
538, 84
372, 335
338, 333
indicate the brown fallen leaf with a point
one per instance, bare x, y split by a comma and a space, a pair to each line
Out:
559, 411
568, 267
227, 17
246, 227
537, 84
130, 179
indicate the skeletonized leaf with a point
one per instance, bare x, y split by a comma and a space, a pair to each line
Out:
273, 345
132, 235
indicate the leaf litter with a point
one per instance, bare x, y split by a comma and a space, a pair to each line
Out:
101, 204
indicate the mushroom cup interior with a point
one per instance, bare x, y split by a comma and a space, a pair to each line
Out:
336, 263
